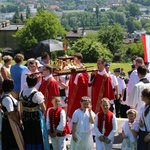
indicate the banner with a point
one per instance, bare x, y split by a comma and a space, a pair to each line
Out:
146, 44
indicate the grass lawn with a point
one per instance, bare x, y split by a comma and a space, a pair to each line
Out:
126, 66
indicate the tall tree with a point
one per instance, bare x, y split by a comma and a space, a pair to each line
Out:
43, 26
16, 17
91, 49
112, 37
28, 12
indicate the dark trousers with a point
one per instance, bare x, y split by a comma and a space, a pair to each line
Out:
111, 108
117, 106
123, 110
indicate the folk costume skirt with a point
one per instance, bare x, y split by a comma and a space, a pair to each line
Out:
35, 132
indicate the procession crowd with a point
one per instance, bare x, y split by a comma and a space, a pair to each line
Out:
37, 103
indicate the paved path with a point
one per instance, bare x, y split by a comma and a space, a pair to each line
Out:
118, 136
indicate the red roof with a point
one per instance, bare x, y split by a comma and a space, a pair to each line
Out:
54, 6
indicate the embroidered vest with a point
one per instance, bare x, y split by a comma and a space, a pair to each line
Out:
27, 100
108, 122
54, 122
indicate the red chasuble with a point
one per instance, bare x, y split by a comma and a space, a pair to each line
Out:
108, 122
102, 87
54, 121
49, 88
76, 91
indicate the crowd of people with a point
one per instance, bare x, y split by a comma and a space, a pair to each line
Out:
37, 104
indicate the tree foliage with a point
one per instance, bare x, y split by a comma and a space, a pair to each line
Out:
43, 26
91, 50
112, 37
133, 25
136, 49
143, 2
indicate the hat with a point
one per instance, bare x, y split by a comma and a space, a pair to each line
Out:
107, 64
38, 63
122, 73
129, 72
78, 55
126, 81
116, 69
133, 66
146, 63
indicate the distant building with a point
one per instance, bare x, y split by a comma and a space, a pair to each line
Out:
138, 33
126, 1
111, 2
6, 32
82, 7
54, 7
6, 16
102, 9
74, 35
33, 10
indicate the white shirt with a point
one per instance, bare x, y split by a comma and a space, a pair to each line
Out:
112, 133
24, 82
47, 77
82, 119
76, 78
62, 122
7, 102
127, 132
121, 85
134, 79
23, 79
64, 79
113, 79
102, 72
148, 76
134, 100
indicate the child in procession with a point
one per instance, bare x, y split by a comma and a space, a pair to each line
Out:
82, 124
57, 125
130, 130
105, 126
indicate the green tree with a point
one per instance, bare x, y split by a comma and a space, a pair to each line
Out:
16, 17
91, 49
28, 12
134, 10
136, 49
112, 37
22, 18
133, 25
43, 26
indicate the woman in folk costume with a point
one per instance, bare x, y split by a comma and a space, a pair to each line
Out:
11, 131
32, 110
105, 126
82, 125
144, 123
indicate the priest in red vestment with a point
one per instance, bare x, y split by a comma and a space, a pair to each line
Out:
101, 86
78, 87
49, 86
